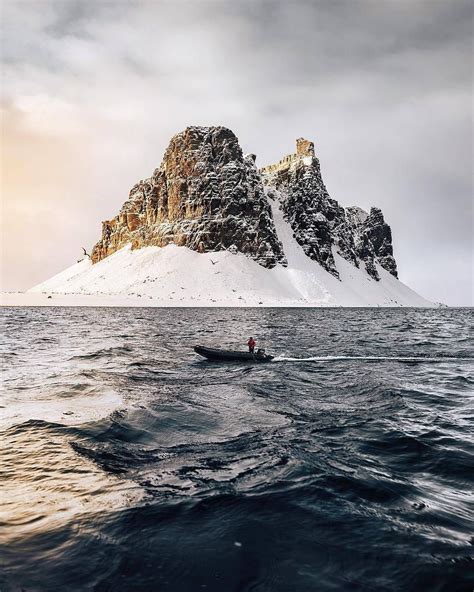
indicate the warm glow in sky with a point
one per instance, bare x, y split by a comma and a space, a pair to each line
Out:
93, 91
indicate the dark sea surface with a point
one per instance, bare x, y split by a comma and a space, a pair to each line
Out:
128, 463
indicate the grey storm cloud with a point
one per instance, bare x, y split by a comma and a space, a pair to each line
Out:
93, 91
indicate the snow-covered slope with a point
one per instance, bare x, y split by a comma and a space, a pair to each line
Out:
178, 276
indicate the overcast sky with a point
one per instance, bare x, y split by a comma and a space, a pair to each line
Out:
93, 92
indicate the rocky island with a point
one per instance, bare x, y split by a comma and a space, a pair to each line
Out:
208, 196
278, 236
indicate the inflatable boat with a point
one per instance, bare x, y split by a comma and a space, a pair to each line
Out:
227, 355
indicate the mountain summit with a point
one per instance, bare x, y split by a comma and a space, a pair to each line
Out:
319, 223
205, 196
208, 197
275, 234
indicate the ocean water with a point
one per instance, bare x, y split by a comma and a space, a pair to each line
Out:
128, 463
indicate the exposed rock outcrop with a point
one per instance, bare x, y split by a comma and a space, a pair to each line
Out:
208, 197
372, 239
319, 223
205, 196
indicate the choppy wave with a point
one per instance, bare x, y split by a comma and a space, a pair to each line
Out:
130, 465
103, 352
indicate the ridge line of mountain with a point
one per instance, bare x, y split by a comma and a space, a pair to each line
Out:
206, 195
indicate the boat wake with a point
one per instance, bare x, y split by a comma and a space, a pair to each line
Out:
407, 359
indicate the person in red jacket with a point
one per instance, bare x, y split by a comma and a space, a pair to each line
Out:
251, 343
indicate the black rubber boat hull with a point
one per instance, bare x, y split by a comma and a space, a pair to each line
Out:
223, 355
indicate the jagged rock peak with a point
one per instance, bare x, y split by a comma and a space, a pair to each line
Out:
205, 196
372, 238
304, 153
319, 223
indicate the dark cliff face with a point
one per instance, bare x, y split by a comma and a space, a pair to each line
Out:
205, 196
312, 214
319, 223
372, 239
208, 197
